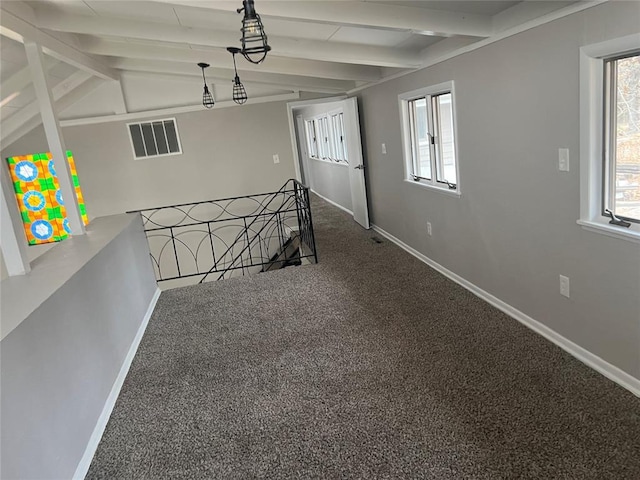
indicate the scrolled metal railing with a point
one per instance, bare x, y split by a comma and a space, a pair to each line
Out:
229, 236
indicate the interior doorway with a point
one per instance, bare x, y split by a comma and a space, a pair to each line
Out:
327, 148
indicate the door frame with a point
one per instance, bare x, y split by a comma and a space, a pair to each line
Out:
291, 116
357, 182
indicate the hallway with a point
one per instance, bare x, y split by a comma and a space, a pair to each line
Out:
367, 365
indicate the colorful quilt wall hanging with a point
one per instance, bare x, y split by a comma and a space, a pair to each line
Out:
39, 197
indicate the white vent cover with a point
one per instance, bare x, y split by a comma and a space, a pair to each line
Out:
157, 138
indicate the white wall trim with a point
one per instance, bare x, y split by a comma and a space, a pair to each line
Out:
603, 367
98, 431
163, 112
328, 200
294, 143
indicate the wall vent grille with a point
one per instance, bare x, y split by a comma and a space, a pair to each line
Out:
157, 138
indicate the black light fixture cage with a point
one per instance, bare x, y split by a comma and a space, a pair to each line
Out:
239, 92
207, 98
254, 39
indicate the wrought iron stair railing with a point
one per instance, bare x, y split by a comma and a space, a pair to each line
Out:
233, 236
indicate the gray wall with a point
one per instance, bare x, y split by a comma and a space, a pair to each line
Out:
513, 230
331, 180
60, 363
226, 152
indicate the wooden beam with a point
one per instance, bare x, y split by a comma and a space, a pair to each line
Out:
19, 81
225, 83
25, 129
281, 46
175, 110
120, 106
12, 238
525, 12
15, 84
220, 56
424, 21
54, 136
17, 27
16, 121
219, 74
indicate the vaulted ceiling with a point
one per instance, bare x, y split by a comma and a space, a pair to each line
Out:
142, 55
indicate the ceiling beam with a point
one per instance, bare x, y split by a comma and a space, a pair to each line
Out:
444, 48
20, 80
424, 21
17, 135
219, 56
281, 46
17, 21
221, 75
64, 103
15, 84
221, 91
55, 140
176, 110
524, 12
28, 112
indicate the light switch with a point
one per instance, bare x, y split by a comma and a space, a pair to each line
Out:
563, 159
276, 158
384, 149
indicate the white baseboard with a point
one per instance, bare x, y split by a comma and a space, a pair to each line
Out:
585, 356
98, 431
328, 200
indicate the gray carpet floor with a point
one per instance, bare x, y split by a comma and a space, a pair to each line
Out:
367, 365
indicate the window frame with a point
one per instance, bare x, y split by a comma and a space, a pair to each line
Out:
312, 138
151, 122
406, 101
594, 161
327, 148
609, 132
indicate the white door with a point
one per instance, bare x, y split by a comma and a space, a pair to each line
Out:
356, 162
353, 143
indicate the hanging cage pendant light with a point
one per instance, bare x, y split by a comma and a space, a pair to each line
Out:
239, 93
254, 39
207, 98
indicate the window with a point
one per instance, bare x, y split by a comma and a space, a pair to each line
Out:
622, 137
428, 128
337, 129
154, 139
326, 138
312, 142
610, 138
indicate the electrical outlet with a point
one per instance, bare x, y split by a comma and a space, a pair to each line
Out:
276, 158
384, 148
563, 159
564, 286
429, 231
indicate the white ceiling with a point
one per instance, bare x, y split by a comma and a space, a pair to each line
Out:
321, 47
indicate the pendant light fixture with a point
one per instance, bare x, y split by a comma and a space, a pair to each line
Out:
207, 98
239, 93
254, 39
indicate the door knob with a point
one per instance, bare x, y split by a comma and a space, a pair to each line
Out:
359, 167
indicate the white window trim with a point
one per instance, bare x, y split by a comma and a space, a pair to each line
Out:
403, 102
170, 154
591, 132
318, 118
